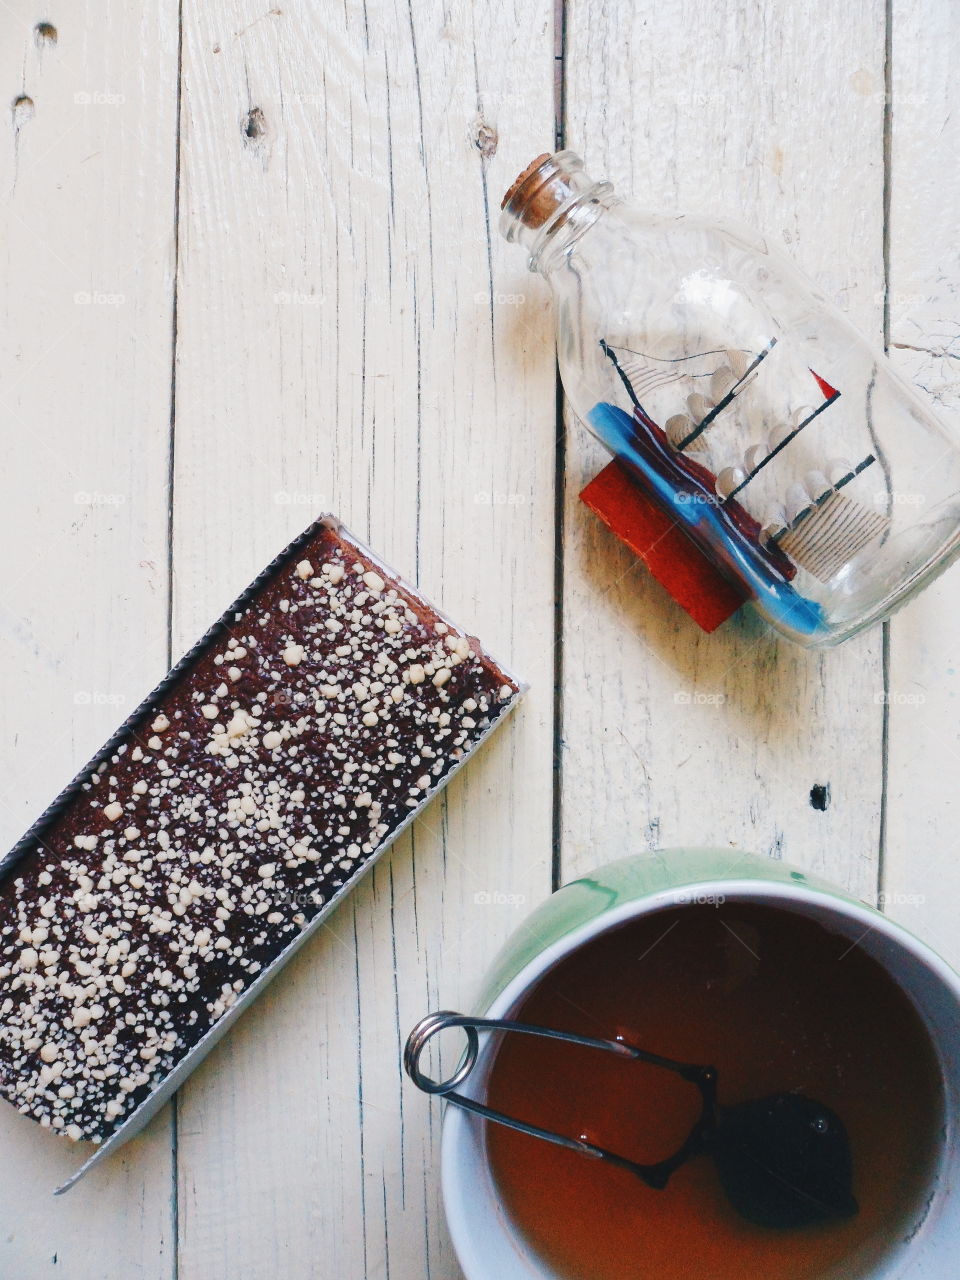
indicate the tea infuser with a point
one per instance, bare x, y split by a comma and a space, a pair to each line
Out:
783, 1160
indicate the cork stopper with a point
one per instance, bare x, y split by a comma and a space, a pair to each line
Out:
545, 186
535, 205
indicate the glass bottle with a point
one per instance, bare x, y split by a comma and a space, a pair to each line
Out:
743, 402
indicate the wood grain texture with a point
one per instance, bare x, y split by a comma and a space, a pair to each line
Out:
348, 338
352, 334
671, 737
88, 165
922, 872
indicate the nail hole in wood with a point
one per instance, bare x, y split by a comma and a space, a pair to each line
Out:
820, 795
255, 125
45, 33
23, 109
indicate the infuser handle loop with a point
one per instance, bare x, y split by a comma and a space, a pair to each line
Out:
417, 1040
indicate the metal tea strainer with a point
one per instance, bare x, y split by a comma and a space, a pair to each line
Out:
783, 1161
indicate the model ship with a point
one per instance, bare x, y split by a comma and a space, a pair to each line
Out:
816, 527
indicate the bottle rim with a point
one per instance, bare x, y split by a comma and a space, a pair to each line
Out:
552, 192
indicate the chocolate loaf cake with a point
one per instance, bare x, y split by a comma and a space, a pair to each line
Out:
262, 777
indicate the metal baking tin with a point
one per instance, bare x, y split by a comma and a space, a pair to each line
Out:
26, 845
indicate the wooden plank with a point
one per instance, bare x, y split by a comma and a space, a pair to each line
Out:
922, 875
350, 337
87, 213
671, 737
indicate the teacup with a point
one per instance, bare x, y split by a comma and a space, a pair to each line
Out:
490, 1244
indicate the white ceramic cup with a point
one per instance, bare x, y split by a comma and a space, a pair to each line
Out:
491, 1247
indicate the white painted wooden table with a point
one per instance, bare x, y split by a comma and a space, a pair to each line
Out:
250, 272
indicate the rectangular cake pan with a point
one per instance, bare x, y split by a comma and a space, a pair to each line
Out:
25, 846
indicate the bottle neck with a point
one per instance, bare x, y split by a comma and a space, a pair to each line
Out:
551, 204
